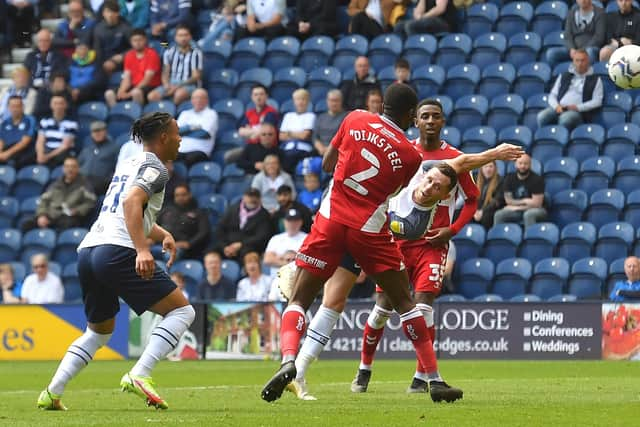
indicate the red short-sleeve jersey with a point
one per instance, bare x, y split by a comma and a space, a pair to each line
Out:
138, 66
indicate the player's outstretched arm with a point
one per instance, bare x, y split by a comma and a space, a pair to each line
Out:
133, 218
468, 162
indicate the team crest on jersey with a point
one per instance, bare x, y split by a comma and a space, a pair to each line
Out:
150, 175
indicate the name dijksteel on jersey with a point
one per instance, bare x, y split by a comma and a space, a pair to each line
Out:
375, 139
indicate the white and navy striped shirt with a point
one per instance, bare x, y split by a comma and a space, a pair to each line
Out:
182, 64
54, 131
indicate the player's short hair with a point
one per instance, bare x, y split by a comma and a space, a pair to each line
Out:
402, 63
138, 32
400, 98
149, 126
448, 171
430, 101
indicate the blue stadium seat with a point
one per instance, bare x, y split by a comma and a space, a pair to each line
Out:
249, 78
480, 19
514, 18
476, 275
214, 204
7, 179
523, 48
232, 170
525, 298
554, 49
518, 135
451, 135
478, 138
502, 239
419, 49
615, 109
488, 49
559, 174
585, 141
627, 175
576, 241
563, 298
536, 166
533, 106
469, 111
595, 174
65, 251
539, 242
549, 16
616, 274
121, 117
19, 272
315, 52
230, 111
231, 270
71, 281
532, 78
193, 273
451, 298
382, 48
114, 80
39, 240
180, 169
220, 83
453, 49
186, 105
286, 81
28, 209
560, 68
605, 206
10, 243
549, 141
412, 133
204, 178
247, 53
347, 50
281, 53
614, 241
233, 187
216, 55
320, 106
635, 111
512, 277
229, 139
587, 278
632, 208
469, 241
461, 80
622, 141
386, 76
568, 206
89, 112
164, 106
428, 79
9, 208
446, 102
505, 110
321, 80
601, 69
496, 79
30, 181
550, 276
488, 298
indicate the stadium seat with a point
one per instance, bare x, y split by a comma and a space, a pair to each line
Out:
281, 53
453, 49
605, 206
480, 19
89, 112
30, 181
382, 48
7, 179
228, 139
286, 81
559, 174
504, 111
247, 53
164, 106
419, 50
476, 275
549, 16
532, 78
525, 298
446, 102
514, 18
549, 142
121, 117
347, 50
488, 298
627, 175
511, 277
615, 109
451, 298
488, 50
232, 170
522, 48
65, 251
502, 239
315, 52
562, 298
595, 174
536, 166
587, 278
28, 209
576, 241
616, 274
539, 242
622, 141
230, 111
231, 270
216, 54
585, 141
386, 76
320, 106
215, 205
233, 187
220, 83
469, 111
601, 69
568, 206
517, 135
193, 273
19, 272
186, 105
469, 241
321, 80
635, 111
560, 68
412, 133
614, 241
10, 243
71, 281
428, 79
632, 208
9, 208
496, 79
550, 276
478, 138
204, 178
533, 106
249, 78
461, 80
554, 48
451, 135
39, 240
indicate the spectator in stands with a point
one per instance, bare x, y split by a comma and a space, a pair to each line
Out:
181, 69
623, 28
135, 12
256, 286
328, 123
22, 15
57, 86
17, 134
575, 95
314, 17
67, 203
222, 27
274, 292
42, 62
111, 37
181, 283
523, 192
167, 16
6, 35
265, 18
98, 158
584, 28
74, 28
187, 223
20, 87
295, 132
42, 286
85, 74
215, 286
253, 118
174, 180
269, 180
8, 286
253, 155
374, 101
312, 193
363, 287
431, 16
286, 202
490, 185
57, 134
244, 227
198, 127
628, 289
354, 91
289, 240
447, 283
372, 18
141, 72
402, 71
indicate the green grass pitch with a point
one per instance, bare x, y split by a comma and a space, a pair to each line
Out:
219, 393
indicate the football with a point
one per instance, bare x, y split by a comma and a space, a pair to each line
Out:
624, 67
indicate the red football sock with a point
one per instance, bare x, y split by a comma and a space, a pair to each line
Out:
432, 335
415, 328
370, 339
291, 330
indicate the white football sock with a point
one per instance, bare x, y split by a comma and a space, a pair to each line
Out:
318, 334
78, 355
164, 338
378, 317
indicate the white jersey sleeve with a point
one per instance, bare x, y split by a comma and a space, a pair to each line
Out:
408, 220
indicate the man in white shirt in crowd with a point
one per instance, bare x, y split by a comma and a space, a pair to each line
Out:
42, 286
295, 132
198, 127
275, 256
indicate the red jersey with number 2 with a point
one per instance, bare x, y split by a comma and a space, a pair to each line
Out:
375, 161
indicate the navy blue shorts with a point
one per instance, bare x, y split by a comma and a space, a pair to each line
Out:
350, 264
108, 272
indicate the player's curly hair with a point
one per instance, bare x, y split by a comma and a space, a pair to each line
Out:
149, 126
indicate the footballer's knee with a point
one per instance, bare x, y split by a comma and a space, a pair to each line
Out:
378, 317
